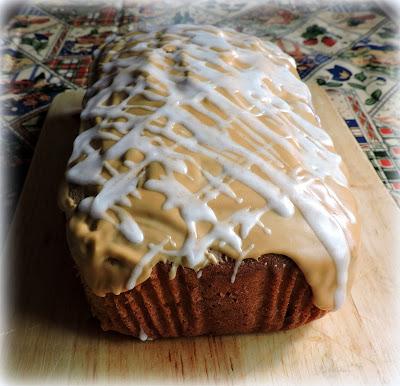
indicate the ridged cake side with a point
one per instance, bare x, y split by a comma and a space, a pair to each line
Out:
268, 294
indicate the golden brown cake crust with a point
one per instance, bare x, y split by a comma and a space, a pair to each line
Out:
268, 294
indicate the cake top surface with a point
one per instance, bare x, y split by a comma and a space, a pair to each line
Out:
198, 143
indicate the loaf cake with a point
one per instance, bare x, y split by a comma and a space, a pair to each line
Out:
202, 195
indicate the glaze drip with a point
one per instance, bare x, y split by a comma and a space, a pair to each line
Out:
202, 115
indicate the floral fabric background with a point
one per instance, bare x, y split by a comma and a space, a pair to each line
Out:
351, 50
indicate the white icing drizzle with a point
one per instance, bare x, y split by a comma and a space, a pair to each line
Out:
235, 270
142, 335
153, 250
198, 50
239, 261
172, 271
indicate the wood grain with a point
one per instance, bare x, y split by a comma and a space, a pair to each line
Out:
51, 335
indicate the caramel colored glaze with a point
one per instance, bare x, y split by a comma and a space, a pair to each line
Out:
105, 256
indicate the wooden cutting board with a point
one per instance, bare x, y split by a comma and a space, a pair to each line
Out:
51, 335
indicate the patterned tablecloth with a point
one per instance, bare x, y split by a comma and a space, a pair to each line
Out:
350, 50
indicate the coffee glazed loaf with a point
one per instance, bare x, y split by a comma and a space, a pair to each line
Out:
202, 195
